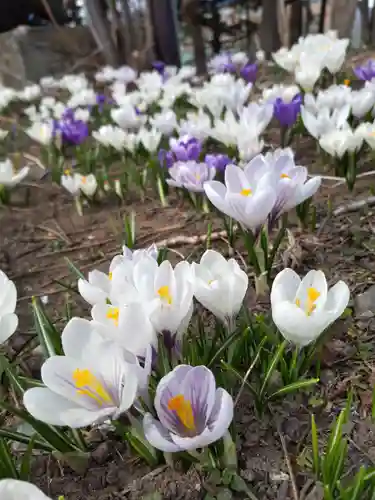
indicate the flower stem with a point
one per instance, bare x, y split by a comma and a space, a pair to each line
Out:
276, 244
250, 243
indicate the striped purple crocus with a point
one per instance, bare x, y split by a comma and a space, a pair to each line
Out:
192, 413
190, 175
184, 148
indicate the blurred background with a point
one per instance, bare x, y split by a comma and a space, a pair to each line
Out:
137, 32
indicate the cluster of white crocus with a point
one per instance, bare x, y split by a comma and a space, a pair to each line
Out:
311, 55
77, 183
9, 177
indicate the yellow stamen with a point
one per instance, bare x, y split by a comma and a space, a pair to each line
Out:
88, 385
164, 294
312, 297
184, 411
113, 314
84, 179
110, 275
347, 82
284, 176
246, 192
67, 171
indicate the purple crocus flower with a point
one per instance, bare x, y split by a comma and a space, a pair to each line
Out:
73, 132
365, 71
190, 175
159, 66
229, 68
287, 112
249, 72
185, 148
219, 162
166, 158
192, 412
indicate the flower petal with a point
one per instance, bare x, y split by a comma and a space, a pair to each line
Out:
77, 337
8, 325
13, 489
313, 280
53, 409
285, 286
157, 435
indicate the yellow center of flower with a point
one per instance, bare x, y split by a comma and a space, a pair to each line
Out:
284, 176
113, 314
246, 192
110, 275
312, 297
67, 171
88, 385
84, 179
347, 82
198, 177
184, 411
164, 294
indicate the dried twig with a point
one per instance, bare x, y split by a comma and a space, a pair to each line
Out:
288, 463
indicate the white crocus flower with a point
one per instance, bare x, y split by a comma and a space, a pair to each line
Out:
59, 110
110, 135
334, 97
84, 97
3, 134
70, 183
256, 117
87, 184
249, 146
101, 287
227, 129
196, 125
246, 196
361, 101
30, 93
302, 310
166, 293
335, 56
42, 132
367, 132
8, 176
119, 322
82, 114
285, 92
325, 121
150, 139
286, 59
8, 300
306, 75
94, 381
97, 288
288, 180
125, 74
127, 117
338, 142
165, 121
235, 95
220, 285
13, 489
